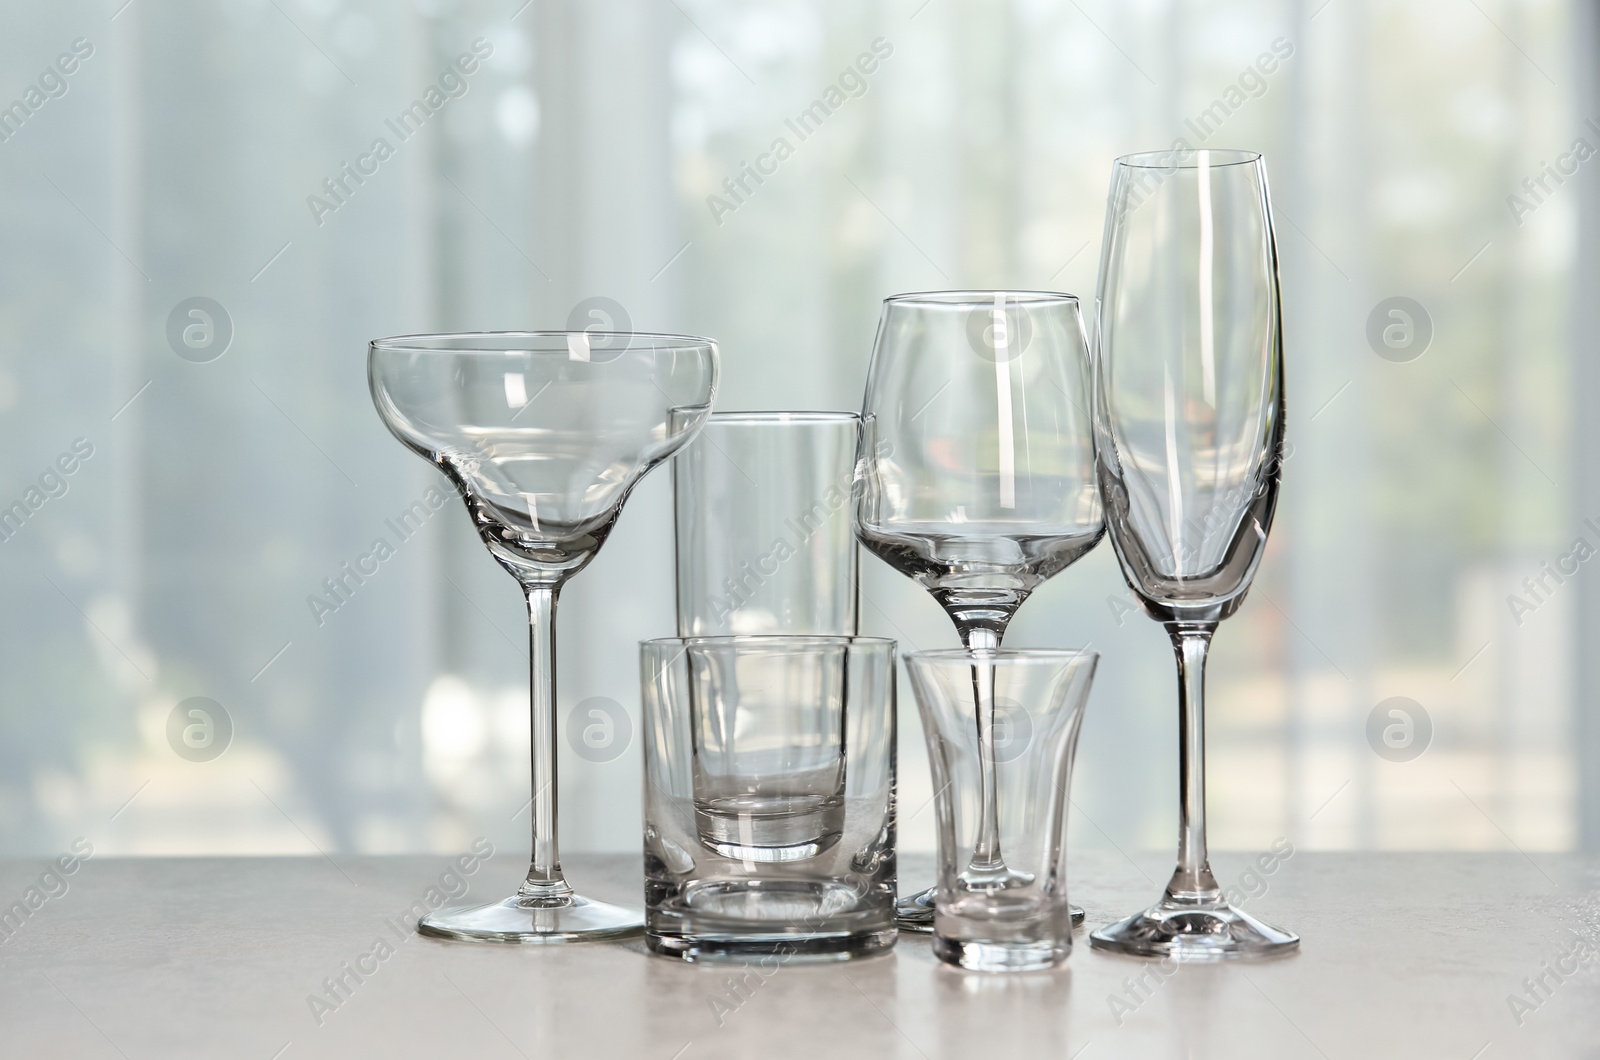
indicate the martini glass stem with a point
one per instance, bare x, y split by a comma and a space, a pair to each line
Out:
1192, 881
545, 885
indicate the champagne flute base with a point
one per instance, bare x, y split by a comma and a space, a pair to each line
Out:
1187, 931
516, 920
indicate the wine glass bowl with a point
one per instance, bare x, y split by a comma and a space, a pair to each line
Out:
544, 434
1189, 430
976, 479
976, 432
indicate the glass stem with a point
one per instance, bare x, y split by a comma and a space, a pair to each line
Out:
545, 885
986, 852
1192, 882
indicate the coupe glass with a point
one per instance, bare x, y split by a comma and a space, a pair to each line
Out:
1189, 421
544, 434
977, 478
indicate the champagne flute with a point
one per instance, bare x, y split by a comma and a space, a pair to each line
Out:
545, 434
976, 470
1189, 422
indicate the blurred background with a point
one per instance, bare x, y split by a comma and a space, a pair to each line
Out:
1409, 671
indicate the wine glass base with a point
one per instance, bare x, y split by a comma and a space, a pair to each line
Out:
575, 920
914, 913
1190, 932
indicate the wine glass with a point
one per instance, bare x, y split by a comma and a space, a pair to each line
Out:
1189, 421
976, 470
544, 434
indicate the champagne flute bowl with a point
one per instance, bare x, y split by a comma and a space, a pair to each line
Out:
1189, 422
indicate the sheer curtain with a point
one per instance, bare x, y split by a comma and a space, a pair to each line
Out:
764, 174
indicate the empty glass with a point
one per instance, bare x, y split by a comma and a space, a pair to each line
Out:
1189, 421
977, 460
764, 539
544, 434
1016, 919
769, 796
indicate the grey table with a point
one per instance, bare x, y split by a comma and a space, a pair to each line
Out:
1404, 955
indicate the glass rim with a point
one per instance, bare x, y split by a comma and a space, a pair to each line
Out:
1174, 158
1016, 655
508, 341
768, 640
780, 418
977, 299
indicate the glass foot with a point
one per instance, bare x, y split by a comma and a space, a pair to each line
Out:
914, 913
574, 920
1194, 932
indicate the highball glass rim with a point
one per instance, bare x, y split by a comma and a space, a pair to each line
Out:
770, 640
780, 417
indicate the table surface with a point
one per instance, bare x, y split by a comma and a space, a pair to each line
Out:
1403, 955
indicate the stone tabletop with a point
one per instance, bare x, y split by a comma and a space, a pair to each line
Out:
1415, 955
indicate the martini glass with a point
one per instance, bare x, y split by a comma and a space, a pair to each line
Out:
544, 434
976, 470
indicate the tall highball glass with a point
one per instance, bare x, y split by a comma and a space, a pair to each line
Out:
1189, 422
545, 434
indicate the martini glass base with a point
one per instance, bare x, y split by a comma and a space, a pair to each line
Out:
1194, 932
514, 920
914, 913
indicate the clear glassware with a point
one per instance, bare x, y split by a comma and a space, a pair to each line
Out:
1021, 920
544, 434
977, 464
769, 796
765, 543
1189, 422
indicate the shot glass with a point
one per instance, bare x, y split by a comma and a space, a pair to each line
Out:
764, 539
1002, 774
769, 796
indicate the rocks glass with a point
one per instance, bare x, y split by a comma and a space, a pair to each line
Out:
769, 796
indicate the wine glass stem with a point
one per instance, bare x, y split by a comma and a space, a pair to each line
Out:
545, 882
1192, 882
986, 852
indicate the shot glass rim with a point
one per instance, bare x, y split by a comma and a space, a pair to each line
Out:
1003, 655
437, 342
975, 299
778, 418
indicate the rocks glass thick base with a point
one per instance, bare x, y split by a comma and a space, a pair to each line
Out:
769, 797
1002, 775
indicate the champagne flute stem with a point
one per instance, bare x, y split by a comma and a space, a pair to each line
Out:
545, 882
986, 852
1192, 881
